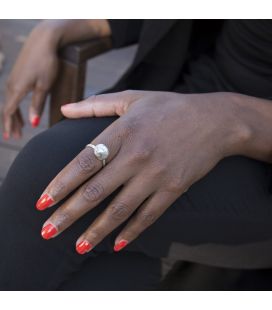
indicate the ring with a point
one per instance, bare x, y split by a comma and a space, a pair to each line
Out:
101, 152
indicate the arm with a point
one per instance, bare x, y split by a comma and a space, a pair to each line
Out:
63, 32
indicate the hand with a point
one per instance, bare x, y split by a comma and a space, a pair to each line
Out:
34, 71
37, 66
162, 144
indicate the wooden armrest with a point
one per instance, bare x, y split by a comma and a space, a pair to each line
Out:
70, 82
80, 52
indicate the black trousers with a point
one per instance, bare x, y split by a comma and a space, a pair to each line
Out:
224, 220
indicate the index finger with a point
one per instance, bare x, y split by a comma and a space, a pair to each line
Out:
81, 168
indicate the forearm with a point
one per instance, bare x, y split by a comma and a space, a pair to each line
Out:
253, 120
61, 32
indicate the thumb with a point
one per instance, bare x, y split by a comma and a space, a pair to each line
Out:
100, 105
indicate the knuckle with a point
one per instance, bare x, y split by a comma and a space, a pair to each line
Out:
129, 126
62, 219
141, 155
93, 191
147, 218
41, 87
159, 170
43, 83
119, 211
92, 99
93, 235
8, 110
57, 187
175, 185
86, 161
143, 151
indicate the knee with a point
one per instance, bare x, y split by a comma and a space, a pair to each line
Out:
49, 152
38, 162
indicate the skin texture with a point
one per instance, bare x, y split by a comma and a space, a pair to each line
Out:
36, 68
162, 144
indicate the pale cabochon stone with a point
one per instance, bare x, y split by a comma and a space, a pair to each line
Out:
101, 151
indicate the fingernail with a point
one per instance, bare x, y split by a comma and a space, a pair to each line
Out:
35, 121
5, 136
83, 247
49, 231
120, 245
44, 202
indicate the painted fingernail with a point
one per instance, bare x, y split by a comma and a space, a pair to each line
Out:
5, 136
49, 231
120, 245
83, 247
44, 202
35, 121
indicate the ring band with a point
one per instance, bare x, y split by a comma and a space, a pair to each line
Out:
101, 152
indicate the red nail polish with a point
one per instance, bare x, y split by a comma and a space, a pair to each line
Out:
120, 245
44, 202
49, 231
5, 136
35, 121
83, 247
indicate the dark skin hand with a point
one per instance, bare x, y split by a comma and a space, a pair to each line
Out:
36, 68
161, 145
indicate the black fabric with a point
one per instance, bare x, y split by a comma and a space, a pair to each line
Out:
203, 55
244, 56
162, 51
240, 61
125, 31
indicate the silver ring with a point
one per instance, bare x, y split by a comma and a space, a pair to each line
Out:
101, 152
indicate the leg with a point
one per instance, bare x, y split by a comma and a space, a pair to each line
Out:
230, 206
121, 272
30, 263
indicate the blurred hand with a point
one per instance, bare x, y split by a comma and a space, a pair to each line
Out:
34, 71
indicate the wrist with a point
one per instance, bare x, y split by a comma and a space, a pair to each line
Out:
223, 114
238, 132
63, 32
50, 32
251, 132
